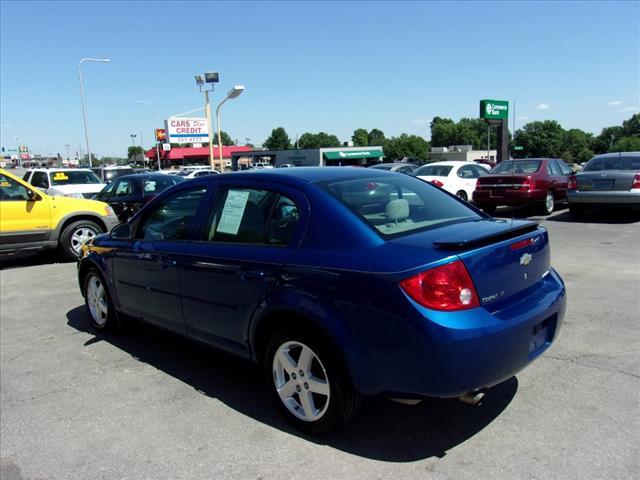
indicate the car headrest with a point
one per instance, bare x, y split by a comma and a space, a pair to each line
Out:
396, 210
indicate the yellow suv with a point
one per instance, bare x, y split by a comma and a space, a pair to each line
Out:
33, 220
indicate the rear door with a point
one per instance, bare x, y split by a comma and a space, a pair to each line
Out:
251, 232
559, 180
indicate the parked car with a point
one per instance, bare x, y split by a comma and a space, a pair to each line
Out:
65, 182
407, 168
201, 172
611, 180
541, 182
423, 296
110, 173
129, 193
31, 220
457, 177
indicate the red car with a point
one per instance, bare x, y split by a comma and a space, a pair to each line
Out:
524, 181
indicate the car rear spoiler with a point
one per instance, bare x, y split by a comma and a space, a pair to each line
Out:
492, 232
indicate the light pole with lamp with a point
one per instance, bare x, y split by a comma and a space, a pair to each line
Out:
233, 93
133, 144
84, 114
211, 78
153, 131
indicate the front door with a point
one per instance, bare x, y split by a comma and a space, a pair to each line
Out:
250, 234
23, 221
147, 273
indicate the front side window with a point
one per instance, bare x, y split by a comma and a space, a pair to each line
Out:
394, 207
105, 193
468, 171
12, 191
123, 189
40, 180
252, 216
157, 184
172, 218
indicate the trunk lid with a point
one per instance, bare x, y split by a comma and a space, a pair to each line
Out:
502, 257
611, 180
501, 183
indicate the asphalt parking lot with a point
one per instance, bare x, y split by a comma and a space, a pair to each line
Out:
143, 404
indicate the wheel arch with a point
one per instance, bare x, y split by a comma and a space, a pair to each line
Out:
68, 220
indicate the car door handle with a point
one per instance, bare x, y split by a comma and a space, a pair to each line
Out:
251, 274
214, 266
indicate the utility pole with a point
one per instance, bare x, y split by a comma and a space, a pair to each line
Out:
68, 147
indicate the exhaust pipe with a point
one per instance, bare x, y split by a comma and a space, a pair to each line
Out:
472, 398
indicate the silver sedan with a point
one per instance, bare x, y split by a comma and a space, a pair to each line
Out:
609, 180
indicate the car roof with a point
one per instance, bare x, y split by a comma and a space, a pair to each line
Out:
304, 174
140, 176
450, 163
64, 169
618, 154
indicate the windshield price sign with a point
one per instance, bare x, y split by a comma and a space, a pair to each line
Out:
187, 130
494, 109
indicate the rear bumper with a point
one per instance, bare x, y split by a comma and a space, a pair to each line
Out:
453, 353
630, 198
511, 197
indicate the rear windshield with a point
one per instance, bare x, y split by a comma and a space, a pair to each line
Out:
113, 173
384, 166
399, 206
520, 166
433, 171
155, 185
613, 163
66, 177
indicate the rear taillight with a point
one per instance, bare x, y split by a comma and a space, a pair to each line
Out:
448, 287
636, 181
478, 185
528, 184
437, 183
573, 183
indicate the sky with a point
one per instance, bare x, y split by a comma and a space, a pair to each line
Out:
309, 66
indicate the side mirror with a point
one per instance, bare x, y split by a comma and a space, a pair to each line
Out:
121, 232
33, 196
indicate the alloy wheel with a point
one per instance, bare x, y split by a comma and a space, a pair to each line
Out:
97, 300
81, 235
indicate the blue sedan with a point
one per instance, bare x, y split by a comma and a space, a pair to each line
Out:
341, 282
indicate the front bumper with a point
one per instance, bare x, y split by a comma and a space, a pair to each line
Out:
451, 353
110, 221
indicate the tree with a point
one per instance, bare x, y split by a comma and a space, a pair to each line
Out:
376, 138
226, 139
606, 139
541, 139
133, 151
627, 144
577, 144
360, 138
406, 146
631, 127
278, 140
318, 140
443, 132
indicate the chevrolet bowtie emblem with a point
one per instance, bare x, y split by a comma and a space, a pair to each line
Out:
526, 259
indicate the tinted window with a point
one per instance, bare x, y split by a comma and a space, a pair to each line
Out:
553, 169
105, 193
468, 171
433, 171
155, 185
39, 179
172, 217
479, 170
398, 206
520, 166
613, 163
124, 188
564, 168
10, 190
112, 173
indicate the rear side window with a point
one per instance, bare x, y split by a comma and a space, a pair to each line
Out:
553, 169
520, 166
433, 171
172, 218
252, 216
398, 206
613, 163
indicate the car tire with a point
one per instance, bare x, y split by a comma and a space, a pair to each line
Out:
576, 211
317, 406
549, 203
74, 235
462, 195
97, 299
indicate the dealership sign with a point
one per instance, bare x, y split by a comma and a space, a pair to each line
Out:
494, 109
187, 130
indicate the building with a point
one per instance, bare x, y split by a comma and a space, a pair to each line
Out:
179, 156
465, 153
312, 157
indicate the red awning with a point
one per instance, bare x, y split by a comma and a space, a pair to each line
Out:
177, 153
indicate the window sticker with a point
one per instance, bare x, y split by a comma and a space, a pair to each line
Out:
233, 211
4, 184
60, 176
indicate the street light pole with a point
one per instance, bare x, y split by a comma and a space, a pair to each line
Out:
153, 130
207, 111
233, 93
84, 113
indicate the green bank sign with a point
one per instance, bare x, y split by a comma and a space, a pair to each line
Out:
494, 109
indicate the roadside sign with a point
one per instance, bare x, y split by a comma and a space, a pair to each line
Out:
518, 147
166, 147
494, 109
187, 130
